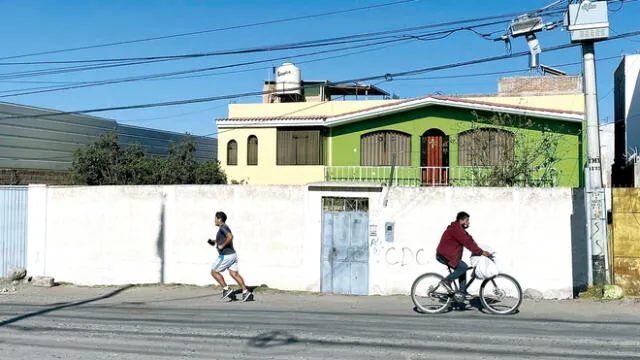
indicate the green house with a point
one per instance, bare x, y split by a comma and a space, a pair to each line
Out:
428, 141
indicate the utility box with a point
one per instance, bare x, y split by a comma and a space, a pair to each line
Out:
588, 21
388, 231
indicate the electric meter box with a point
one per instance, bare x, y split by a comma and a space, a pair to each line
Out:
588, 21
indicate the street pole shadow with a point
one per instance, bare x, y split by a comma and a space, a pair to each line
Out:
60, 307
272, 339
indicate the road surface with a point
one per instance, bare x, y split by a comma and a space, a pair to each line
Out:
182, 322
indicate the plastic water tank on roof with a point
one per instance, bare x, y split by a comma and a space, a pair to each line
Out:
288, 79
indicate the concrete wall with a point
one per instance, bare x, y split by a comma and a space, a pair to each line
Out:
539, 85
607, 152
627, 104
538, 235
149, 234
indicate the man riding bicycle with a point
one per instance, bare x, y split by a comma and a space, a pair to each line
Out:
449, 251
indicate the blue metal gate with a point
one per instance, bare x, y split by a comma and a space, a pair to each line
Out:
13, 228
345, 246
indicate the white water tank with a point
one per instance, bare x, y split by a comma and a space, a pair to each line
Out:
288, 79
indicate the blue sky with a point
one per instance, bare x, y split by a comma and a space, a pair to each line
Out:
35, 26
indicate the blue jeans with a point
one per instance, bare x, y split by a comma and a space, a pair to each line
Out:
460, 271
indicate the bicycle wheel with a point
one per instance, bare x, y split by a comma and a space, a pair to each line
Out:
427, 294
501, 294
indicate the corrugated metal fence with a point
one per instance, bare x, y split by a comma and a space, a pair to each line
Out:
13, 228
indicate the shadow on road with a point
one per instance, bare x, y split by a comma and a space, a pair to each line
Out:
272, 339
472, 303
64, 306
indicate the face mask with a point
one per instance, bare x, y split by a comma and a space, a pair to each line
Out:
465, 226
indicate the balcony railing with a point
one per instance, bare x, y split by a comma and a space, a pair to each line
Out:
428, 176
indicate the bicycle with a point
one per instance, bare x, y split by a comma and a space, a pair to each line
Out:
442, 298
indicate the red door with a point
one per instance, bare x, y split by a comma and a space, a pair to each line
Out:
435, 158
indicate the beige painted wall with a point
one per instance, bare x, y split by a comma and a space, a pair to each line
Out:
266, 172
327, 108
571, 102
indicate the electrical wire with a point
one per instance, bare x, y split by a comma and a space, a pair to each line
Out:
289, 46
388, 76
155, 76
172, 77
234, 27
498, 72
160, 75
292, 46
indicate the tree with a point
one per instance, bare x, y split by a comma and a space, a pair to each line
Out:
527, 160
105, 163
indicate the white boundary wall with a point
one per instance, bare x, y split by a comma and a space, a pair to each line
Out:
120, 234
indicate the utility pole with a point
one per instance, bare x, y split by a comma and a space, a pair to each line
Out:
587, 22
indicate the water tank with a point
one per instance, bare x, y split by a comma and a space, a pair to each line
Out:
288, 79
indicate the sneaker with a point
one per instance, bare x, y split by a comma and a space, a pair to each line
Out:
445, 284
245, 296
226, 293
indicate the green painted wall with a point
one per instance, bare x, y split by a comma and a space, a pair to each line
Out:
346, 138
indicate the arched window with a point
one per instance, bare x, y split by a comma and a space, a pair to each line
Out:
378, 147
252, 150
485, 147
232, 152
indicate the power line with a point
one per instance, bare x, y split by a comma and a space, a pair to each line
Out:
423, 37
172, 116
388, 77
161, 75
496, 72
313, 43
176, 77
213, 30
290, 46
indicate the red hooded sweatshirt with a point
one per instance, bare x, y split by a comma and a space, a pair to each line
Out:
452, 241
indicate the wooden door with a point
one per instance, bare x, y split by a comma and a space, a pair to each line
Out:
435, 158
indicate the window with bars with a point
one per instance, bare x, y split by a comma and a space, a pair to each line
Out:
300, 147
232, 152
252, 150
486, 147
336, 204
377, 148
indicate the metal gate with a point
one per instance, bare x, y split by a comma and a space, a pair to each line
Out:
345, 246
13, 228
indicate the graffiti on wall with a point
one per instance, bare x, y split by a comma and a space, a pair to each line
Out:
405, 256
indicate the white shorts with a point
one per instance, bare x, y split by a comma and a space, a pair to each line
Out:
225, 262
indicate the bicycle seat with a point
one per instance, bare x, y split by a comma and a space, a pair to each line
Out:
444, 262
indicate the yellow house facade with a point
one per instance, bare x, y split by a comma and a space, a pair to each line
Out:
265, 171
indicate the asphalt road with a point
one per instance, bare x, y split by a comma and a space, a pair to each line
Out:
67, 322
